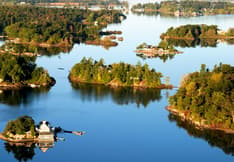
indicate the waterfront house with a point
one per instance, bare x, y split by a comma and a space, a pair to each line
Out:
46, 134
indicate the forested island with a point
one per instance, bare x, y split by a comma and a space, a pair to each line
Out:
185, 8
54, 27
20, 71
206, 98
199, 31
117, 74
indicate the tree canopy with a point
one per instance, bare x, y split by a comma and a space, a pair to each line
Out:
54, 26
207, 96
19, 69
20, 126
119, 74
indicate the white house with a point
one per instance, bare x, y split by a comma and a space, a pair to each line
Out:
45, 132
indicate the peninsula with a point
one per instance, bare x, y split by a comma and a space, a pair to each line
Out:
115, 75
206, 98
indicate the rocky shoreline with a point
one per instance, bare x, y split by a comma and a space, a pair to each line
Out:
198, 124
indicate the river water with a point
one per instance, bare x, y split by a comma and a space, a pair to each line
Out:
121, 124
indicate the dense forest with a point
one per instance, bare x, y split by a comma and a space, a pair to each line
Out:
195, 32
54, 26
18, 71
207, 97
20, 126
186, 7
118, 74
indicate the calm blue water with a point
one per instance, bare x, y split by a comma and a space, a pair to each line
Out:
120, 125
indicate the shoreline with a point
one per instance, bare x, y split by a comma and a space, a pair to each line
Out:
39, 44
21, 85
2, 137
114, 84
198, 125
174, 14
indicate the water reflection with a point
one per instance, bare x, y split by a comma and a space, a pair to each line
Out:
21, 151
164, 57
215, 138
193, 43
26, 151
120, 95
23, 96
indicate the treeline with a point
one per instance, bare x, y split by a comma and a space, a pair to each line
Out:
195, 32
207, 97
119, 74
187, 7
54, 26
21, 71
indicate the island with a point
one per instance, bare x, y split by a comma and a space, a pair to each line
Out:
185, 8
17, 72
205, 98
195, 32
55, 27
163, 49
23, 130
20, 130
115, 75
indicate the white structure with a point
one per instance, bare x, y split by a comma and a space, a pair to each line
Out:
45, 132
44, 127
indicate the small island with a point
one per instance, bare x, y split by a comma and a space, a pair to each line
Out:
164, 48
205, 98
17, 72
20, 130
116, 75
24, 130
